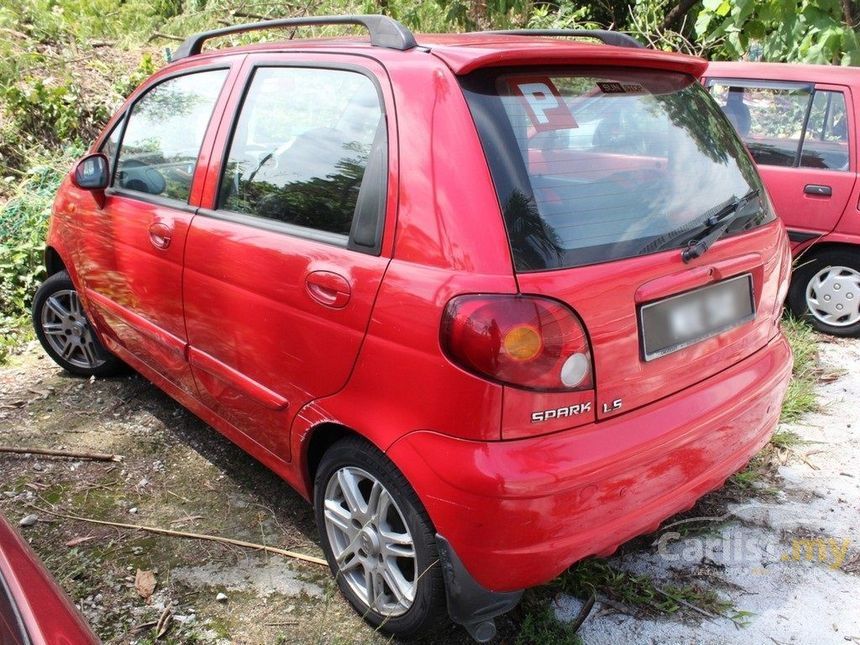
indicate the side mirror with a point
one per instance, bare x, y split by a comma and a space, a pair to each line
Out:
92, 172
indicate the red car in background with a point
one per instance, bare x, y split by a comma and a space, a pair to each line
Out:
33, 608
800, 123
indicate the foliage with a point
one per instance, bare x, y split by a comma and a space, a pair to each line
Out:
800, 397
541, 626
809, 31
23, 221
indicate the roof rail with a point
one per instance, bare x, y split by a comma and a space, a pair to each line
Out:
605, 36
384, 31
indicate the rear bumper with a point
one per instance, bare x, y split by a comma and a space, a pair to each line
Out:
518, 513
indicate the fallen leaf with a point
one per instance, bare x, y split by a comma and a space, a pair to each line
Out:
80, 540
144, 583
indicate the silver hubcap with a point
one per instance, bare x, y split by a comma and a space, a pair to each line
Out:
370, 541
833, 296
67, 330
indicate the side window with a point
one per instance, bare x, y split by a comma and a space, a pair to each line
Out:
165, 130
825, 144
303, 143
769, 119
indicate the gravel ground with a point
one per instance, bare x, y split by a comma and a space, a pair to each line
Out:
786, 550
790, 556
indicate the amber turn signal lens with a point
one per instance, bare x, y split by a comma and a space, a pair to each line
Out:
523, 343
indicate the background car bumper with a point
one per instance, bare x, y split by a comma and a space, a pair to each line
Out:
518, 513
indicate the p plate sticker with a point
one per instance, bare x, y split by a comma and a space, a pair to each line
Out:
613, 87
543, 103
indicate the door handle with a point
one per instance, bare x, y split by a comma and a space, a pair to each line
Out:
160, 235
328, 288
819, 190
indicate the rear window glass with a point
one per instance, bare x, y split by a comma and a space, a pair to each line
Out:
597, 165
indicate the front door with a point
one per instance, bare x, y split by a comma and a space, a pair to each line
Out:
800, 137
133, 245
282, 270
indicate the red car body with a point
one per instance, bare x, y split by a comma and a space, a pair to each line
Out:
224, 320
811, 219
33, 609
814, 190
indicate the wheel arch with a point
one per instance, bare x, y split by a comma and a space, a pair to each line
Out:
817, 248
319, 438
53, 261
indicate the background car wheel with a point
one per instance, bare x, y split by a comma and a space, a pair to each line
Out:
66, 334
825, 290
378, 540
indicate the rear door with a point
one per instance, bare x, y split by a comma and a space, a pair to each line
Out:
800, 136
131, 246
598, 215
283, 266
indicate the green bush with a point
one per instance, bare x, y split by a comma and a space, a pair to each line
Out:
23, 223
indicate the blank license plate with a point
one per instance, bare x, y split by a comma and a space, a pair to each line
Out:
680, 321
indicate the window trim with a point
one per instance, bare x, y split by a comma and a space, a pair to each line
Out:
118, 127
128, 112
304, 232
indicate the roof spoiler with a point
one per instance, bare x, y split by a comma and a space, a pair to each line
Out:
384, 31
614, 38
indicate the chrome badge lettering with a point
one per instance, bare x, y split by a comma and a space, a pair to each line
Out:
559, 413
615, 406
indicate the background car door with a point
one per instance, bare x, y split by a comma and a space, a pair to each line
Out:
282, 272
132, 246
801, 137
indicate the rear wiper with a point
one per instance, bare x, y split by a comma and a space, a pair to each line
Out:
717, 224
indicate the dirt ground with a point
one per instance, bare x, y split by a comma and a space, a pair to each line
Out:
178, 473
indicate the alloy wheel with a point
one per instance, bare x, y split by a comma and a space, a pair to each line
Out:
68, 331
370, 541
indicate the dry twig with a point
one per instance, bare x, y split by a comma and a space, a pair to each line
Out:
193, 536
93, 456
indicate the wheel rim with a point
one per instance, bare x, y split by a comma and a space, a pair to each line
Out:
833, 296
68, 331
371, 541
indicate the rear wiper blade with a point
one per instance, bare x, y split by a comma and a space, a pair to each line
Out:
716, 225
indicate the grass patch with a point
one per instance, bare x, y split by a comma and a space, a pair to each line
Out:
599, 578
541, 626
800, 397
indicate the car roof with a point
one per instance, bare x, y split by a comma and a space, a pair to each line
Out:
792, 72
466, 52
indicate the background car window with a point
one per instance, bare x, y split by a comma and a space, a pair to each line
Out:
769, 120
164, 133
301, 147
825, 144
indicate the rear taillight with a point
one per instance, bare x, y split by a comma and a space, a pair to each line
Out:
525, 341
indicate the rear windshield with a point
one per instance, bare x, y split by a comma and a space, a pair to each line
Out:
592, 165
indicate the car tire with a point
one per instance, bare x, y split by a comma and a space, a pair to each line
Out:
65, 332
363, 503
825, 291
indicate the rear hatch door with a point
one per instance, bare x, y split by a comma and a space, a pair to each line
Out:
604, 176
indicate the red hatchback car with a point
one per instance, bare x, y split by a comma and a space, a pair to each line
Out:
800, 123
492, 302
